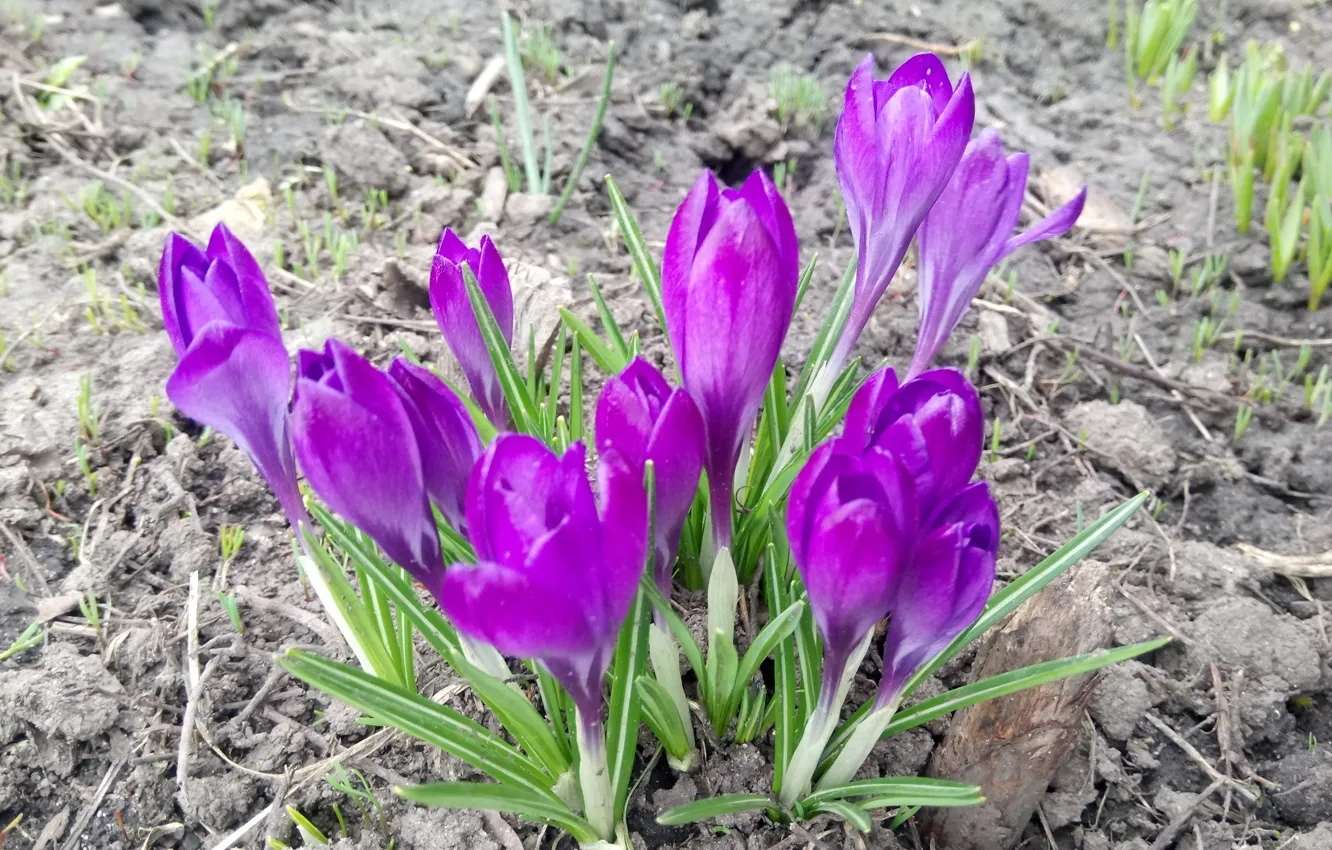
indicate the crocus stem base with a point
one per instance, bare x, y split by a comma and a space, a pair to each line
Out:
858, 747
484, 657
594, 775
822, 723
665, 655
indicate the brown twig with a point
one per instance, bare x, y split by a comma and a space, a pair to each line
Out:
1189, 750
1182, 819
965, 47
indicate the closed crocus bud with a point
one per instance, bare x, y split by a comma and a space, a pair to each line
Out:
729, 278
445, 435
969, 230
897, 143
554, 576
359, 451
851, 517
933, 423
457, 321
646, 419
234, 374
939, 594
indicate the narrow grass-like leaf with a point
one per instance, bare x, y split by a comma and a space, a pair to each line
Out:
802, 285
778, 629
581, 162
811, 658
901, 786
435, 724
629, 663
849, 812
784, 674
1023, 588
557, 705
608, 321
638, 250
713, 807
339, 597
677, 626
521, 408
492, 797
607, 359
576, 391
518, 717
518, 83
662, 718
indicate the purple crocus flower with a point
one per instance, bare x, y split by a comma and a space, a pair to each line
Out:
234, 374
445, 435
729, 278
554, 576
453, 313
933, 423
897, 143
852, 517
359, 451
645, 419
969, 230
938, 595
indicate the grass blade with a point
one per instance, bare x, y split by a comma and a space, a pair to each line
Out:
581, 162
712, 807
784, 674
521, 408
489, 796
518, 82
916, 786
638, 250
848, 812
778, 629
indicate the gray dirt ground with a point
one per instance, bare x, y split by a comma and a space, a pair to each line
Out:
89, 724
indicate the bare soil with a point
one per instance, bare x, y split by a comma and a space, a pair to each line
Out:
90, 723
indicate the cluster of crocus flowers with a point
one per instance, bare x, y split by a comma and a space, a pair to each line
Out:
884, 521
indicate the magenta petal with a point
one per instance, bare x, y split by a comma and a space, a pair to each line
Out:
510, 496
359, 454
260, 311
925, 71
862, 417
178, 255
1056, 223
457, 321
236, 381
445, 434
624, 530
691, 223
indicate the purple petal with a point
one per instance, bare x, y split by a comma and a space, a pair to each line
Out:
445, 434
493, 279
770, 207
178, 256
855, 150
808, 491
508, 498
260, 311
692, 221
925, 71
457, 321
236, 381
862, 417
1055, 224
359, 453
624, 529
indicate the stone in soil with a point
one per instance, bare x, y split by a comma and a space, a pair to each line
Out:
1126, 433
1305, 776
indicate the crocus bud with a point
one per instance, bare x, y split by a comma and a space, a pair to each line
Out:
897, 143
933, 423
457, 321
969, 230
355, 441
729, 278
939, 593
944, 589
445, 435
852, 518
234, 375
645, 419
554, 577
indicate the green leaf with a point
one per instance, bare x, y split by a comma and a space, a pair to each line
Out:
1012, 682
437, 725
713, 807
778, 629
360, 628
848, 812
811, 658
489, 796
521, 407
1002, 604
662, 718
916, 787
608, 322
829, 330
677, 626
638, 250
610, 362
581, 162
518, 84
802, 285
1021, 589
627, 666
557, 705
518, 717
784, 674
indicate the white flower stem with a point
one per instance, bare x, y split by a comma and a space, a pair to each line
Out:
822, 723
484, 657
859, 745
594, 776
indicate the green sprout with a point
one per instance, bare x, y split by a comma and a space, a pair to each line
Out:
1154, 34
86, 409
540, 53
88, 606
1243, 416
89, 475
800, 98
1179, 74
228, 603
32, 636
671, 97
1220, 91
